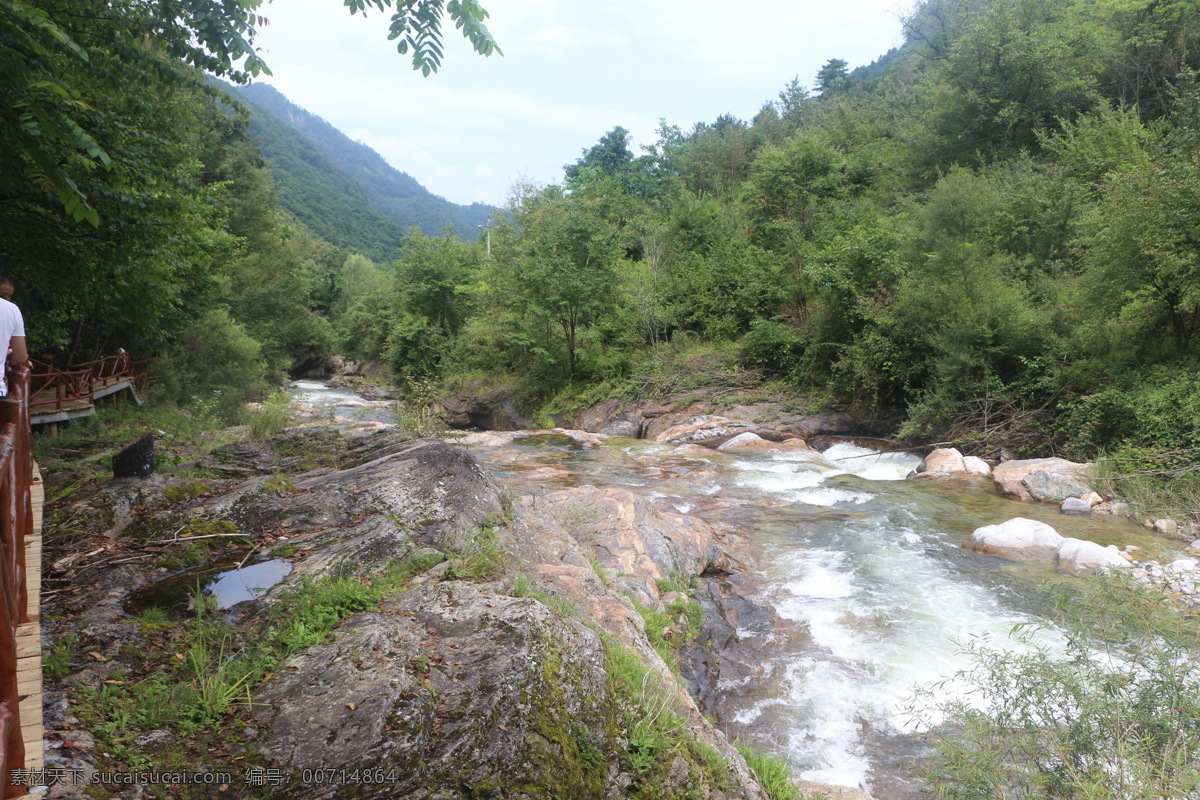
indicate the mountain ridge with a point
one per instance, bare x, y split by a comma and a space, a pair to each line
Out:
342, 189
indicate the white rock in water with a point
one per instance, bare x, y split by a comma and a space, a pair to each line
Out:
752, 441
1183, 565
1019, 539
942, 462
1080, 557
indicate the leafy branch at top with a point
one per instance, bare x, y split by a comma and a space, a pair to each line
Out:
418, 26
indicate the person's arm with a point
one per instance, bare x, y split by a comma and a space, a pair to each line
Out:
17, 355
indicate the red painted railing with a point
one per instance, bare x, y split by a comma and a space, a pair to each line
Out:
16, 524
54, 390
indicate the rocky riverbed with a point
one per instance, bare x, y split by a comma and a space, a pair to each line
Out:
495, 680
760, 582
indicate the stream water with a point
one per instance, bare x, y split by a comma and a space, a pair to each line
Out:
867, 565
342, 403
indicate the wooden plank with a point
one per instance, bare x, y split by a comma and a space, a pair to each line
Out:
67, 405
35, 753
29, 637
28, 645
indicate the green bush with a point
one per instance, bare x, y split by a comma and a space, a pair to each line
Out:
1112, 714
275, 415
772, 345
213, 360
414, 349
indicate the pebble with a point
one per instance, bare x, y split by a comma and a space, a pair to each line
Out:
1179, 579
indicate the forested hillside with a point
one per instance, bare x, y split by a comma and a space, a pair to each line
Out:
331, 203
342, 189
990, 236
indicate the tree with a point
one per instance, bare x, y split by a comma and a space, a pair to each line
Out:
566, 273
433, 279
792, 100
52, 64
611, 155
832, 77
1018, 67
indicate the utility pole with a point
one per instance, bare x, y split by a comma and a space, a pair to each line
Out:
487, 228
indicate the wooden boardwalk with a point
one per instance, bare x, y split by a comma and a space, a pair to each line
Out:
29, 638
64, 395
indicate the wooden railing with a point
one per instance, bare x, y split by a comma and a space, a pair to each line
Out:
16, 524
59, 389
54, 390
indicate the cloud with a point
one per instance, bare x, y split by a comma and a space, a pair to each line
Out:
571, 72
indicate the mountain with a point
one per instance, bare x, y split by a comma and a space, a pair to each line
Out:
342, 189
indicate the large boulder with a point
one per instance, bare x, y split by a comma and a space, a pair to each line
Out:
753, 443
948, 462
1050, 487
494, 412
612, 418
637, 542
941, 463
1021, 539
1018, 539
1080, 557
1043, 480
450, 686
977, 466
421, 488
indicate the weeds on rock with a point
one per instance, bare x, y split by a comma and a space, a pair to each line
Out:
56, 660
773, 774
669, 631
650, 707
192, 679
279, 484
186, 491
481, 558
275, 415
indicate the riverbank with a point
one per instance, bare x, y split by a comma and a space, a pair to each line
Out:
433, 615
604, 496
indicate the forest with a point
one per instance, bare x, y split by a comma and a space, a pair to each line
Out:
991, 236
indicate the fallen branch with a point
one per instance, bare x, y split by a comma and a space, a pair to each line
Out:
247, 558
198, 538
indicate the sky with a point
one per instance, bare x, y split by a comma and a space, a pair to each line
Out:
571, 71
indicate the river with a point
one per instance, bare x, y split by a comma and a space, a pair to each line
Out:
867, 565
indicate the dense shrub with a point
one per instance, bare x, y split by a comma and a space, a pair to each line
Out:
1112, 713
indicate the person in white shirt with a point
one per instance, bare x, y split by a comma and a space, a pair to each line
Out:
12, 332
